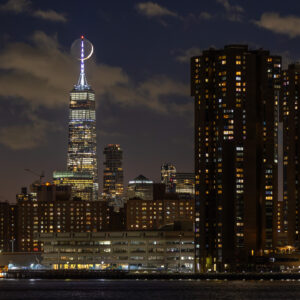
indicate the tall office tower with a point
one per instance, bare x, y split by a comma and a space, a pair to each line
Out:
113, 186
168, 173
288, 220
82, 146
185, 183
236, 94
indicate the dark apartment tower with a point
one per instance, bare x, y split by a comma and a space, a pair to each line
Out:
113, 186
288, 220
8, 227
236, 93
4, 227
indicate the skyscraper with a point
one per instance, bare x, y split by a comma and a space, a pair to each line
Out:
236, 94
168, 174
113, 186
288, 221
82, 146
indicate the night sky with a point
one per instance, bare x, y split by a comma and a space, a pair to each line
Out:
140, 74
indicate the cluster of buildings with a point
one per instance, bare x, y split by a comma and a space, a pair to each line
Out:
49, 213
246, 156
72, 225
238, 209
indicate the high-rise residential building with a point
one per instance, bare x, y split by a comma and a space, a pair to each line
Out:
8, 227
168, 173
113, 186
185, 183
141, 188
82, 146
4, 227
288, 222
236, 92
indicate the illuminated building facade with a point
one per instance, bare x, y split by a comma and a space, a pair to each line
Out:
236, 94
113, 186
168, 173
82, 183
140, 187
153, 214
125, 250
288, 221
185, 183
50, 210
82, 146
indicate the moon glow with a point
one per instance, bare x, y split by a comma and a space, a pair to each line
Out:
76, 49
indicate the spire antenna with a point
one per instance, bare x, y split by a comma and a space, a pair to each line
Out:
82, 49
82, 79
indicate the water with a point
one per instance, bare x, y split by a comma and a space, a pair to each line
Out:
148, 289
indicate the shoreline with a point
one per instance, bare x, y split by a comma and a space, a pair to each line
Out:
74, 274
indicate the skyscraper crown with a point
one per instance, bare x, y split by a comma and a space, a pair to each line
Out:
82, 81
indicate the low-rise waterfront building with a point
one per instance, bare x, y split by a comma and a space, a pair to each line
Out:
123, 250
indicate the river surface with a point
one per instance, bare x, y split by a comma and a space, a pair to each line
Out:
148, 289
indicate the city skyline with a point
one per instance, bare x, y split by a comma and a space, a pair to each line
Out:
140, 72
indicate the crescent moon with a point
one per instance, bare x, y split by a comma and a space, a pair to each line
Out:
90, 53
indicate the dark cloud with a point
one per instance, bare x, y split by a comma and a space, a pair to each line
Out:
50, 15
25, 6
153, 10
30, 135
233, 13
184, 56
204, 15
231, 8
16, 6
288, 25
